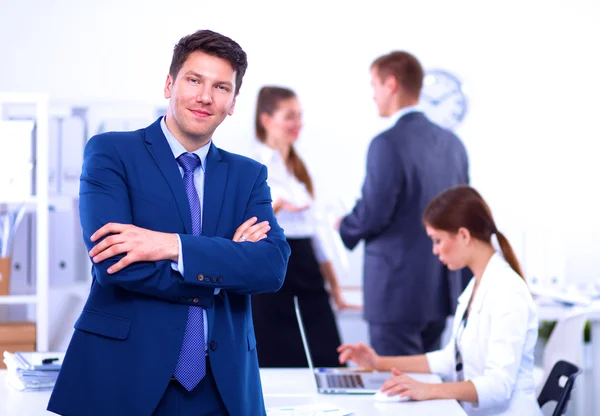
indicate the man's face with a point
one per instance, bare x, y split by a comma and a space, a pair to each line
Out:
381, 94
201, 96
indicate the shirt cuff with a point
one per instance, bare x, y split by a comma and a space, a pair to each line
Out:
491, 391
178, 266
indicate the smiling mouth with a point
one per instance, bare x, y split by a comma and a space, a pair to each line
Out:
201, 113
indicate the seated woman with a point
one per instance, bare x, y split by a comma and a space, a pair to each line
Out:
488, 362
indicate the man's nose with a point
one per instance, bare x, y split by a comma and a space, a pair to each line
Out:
204, 95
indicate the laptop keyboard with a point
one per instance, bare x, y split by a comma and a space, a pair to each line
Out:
347, 381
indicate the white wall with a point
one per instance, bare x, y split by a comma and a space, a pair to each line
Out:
531, 70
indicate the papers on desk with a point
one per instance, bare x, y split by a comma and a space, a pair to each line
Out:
27, 371
318, 409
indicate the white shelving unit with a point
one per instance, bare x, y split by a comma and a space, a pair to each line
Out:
39, 203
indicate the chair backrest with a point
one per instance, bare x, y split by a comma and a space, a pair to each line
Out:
565, 342
553, 391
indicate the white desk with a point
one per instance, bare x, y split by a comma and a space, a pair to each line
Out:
282, 387
278, 383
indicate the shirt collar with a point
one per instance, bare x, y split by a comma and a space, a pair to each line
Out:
267, 155
178, 149
492, 271
404, 111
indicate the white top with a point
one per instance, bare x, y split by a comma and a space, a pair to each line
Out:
285, 185
496, 345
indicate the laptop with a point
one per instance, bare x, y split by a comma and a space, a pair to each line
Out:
340, 380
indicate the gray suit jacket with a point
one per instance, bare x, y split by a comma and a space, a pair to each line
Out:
407, 166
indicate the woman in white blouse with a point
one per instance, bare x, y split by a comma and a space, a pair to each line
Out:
488, 363
278, 124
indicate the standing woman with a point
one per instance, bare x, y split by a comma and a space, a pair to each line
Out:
278, 124
488, 362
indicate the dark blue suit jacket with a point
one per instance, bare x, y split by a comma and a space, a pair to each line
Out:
407, 166
128, 338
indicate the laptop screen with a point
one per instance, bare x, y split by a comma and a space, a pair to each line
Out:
303, 334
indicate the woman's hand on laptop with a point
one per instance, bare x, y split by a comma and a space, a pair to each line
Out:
361, 354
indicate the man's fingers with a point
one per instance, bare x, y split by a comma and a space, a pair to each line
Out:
104, 244
112, 251
120, 265
242, 228
110, 228
256, 232
253, 233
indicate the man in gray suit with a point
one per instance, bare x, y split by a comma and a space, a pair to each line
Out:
408, 293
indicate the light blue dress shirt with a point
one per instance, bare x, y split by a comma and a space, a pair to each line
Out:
178, 149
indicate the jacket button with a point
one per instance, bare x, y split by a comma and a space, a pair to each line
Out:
195, 300
200, 277
220, 279
213, 345
213, 279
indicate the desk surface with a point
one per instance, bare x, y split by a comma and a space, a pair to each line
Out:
282, 387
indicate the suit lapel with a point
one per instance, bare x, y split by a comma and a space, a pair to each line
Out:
157, 145
215, 179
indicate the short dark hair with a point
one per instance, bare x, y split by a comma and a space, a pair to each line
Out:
211, 43
404, 67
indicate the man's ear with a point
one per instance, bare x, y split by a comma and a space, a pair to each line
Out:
391, 84
168, 86
230, 112
464, 235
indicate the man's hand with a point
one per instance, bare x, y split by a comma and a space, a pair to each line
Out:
140, 244
251, 231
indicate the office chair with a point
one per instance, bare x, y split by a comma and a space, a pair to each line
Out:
553, 391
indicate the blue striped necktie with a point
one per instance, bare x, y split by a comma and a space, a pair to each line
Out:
191, 366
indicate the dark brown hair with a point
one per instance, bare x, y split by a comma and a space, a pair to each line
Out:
404, 67
267, 102
214, 44
463, 207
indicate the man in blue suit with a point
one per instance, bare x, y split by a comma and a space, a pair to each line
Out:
408, 293
180, 233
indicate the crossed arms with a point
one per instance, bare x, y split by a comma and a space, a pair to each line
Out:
139, 259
